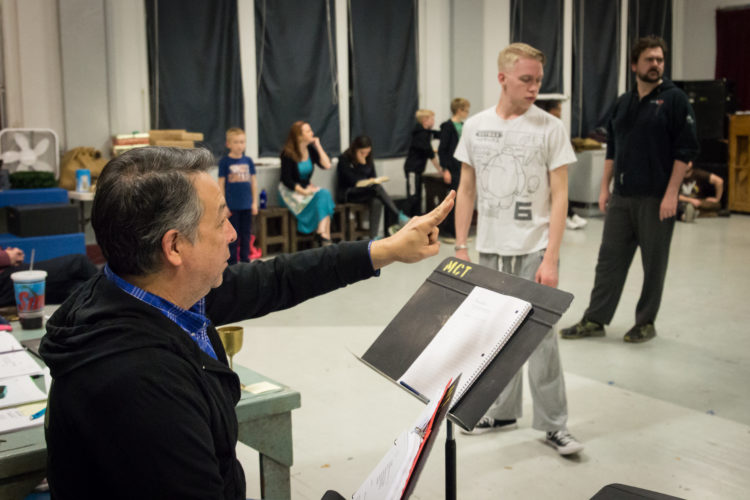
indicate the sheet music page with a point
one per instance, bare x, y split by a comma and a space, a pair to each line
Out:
388, 479
18, 363
466, 343
20, 390
13, 419
9, 343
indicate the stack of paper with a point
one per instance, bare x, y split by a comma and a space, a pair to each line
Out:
18, 388
398, 467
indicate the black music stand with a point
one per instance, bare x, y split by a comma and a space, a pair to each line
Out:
412, 329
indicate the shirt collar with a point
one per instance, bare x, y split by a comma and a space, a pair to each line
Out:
193, 320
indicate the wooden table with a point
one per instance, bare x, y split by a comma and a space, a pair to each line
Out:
265, 424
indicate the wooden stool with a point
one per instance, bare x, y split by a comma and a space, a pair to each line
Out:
355, 218
338, 230
273, 229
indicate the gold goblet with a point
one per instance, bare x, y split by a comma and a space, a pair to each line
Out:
231, 337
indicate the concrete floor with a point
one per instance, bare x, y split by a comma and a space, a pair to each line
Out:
671, 415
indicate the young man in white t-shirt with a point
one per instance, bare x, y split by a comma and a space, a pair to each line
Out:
514, 158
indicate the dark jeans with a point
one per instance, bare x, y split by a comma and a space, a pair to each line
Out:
448, 227
414, 192
376, 197
242, 221
64, 275
630, 223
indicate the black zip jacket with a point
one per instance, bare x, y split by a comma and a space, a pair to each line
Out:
136, 409
645, 137
420, 148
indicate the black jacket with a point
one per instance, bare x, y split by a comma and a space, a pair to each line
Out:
645, 137
136, 409
290, 171
348, 174
446, 149
420, 148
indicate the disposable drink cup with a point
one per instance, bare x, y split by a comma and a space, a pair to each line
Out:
29, 288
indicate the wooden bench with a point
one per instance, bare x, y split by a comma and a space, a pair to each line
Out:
356, 215
273, 230
299, 240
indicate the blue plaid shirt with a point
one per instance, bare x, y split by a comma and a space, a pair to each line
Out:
192, 320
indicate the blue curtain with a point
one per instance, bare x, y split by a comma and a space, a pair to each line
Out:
383, 73
650, 17
539, 23
596, 54
194, 67
295, 48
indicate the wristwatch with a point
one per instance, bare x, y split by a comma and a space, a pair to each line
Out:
461, 247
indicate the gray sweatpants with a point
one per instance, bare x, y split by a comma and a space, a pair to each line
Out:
546, 378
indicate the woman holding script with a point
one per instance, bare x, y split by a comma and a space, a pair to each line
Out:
358, 182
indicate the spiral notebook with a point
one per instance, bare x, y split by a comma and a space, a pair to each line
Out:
471, 338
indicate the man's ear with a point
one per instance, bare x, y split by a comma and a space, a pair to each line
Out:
171, 246
501, 77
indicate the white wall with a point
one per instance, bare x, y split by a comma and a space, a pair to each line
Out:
31, 55
434, 57
466, 35
84, 69
698, 57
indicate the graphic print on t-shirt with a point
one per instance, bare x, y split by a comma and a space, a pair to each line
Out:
507, 179
239, 172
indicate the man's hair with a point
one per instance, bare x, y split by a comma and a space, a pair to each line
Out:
644, 43
422, 114
141, 195
458, 104
515, 51
234, 131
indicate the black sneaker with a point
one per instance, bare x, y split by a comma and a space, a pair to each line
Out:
640, 333
487, 424
563, 442
583, 328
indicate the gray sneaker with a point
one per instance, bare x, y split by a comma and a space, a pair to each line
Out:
563, 442
583, 328
487, 424
640, 333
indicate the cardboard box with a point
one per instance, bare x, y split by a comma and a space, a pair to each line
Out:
192, 136
165, 135
175, 144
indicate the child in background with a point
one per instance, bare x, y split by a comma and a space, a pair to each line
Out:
420, 150
240, 189
450, 133
554, 107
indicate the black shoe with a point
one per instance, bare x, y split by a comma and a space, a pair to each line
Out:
322, 242
583, 328
487, 424
640, 333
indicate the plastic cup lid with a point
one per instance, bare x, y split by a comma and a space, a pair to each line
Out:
29, 276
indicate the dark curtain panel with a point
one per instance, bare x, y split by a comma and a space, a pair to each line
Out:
383, 73
596, 54
650, 17
732, 47
539, 23
295, 50
194, 64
